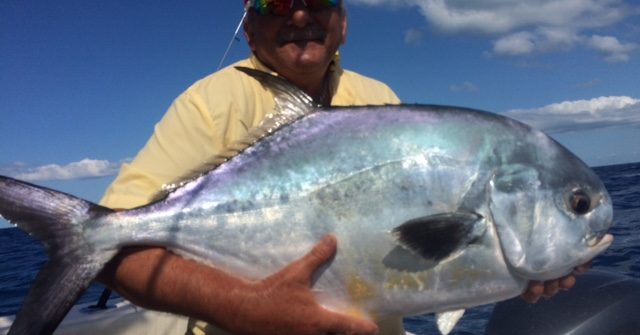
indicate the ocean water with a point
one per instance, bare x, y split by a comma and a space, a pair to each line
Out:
21, 257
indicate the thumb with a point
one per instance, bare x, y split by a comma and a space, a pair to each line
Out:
321, 253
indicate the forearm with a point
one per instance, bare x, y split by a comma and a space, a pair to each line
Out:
282, 303
158, 279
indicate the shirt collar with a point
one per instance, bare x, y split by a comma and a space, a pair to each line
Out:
335, 70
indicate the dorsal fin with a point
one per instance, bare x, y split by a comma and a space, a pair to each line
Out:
291, 104
290, 100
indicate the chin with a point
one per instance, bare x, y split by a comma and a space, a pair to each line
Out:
310, 59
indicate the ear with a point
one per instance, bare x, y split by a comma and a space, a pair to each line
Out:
344, 26
248, 32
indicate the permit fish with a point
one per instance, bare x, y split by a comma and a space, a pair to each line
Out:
435, 209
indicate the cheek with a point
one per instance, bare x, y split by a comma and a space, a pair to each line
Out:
261, 34
337, 32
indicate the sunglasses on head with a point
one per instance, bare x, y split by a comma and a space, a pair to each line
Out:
285, 7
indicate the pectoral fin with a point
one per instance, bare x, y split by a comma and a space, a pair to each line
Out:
435, 237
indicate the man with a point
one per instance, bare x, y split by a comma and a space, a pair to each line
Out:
297, 40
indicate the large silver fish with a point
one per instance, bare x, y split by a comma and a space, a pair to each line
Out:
435, 209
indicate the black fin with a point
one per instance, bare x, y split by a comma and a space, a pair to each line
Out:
56, 219
402, 259
435, 237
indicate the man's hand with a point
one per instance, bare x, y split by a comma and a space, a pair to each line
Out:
280, 304
284, 304
549, 288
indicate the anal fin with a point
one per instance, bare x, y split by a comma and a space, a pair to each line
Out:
447, 320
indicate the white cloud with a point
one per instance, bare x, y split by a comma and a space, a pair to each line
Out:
542, 39
467, 86
515, 44
413, 37
590, 83
582, 114
524, 27
612, 48
86, 168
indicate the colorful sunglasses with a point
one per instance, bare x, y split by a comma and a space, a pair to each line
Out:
285, 7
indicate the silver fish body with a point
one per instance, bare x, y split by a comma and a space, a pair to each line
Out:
360, 174
435, 209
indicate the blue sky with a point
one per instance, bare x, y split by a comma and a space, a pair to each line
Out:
83, 82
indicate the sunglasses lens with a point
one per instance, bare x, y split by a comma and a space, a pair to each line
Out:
280, 7
283, 7
321, 4
270, 7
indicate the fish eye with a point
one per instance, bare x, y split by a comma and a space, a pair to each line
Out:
579, 202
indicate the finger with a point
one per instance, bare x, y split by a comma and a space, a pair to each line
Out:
551, 287
321, 253
580, 269
533, 292
567, 282
341, 324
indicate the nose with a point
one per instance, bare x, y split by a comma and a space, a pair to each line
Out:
300, 15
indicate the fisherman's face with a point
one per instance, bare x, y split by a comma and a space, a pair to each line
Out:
303, 42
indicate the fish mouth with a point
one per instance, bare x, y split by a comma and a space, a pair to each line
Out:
599, 241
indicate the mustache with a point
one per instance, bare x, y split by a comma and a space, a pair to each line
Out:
302, 34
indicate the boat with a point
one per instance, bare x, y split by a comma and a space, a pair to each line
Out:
601, 302
117, 316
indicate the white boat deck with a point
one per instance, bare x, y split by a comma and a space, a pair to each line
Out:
123, 318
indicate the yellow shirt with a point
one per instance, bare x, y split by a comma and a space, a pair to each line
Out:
210, 115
